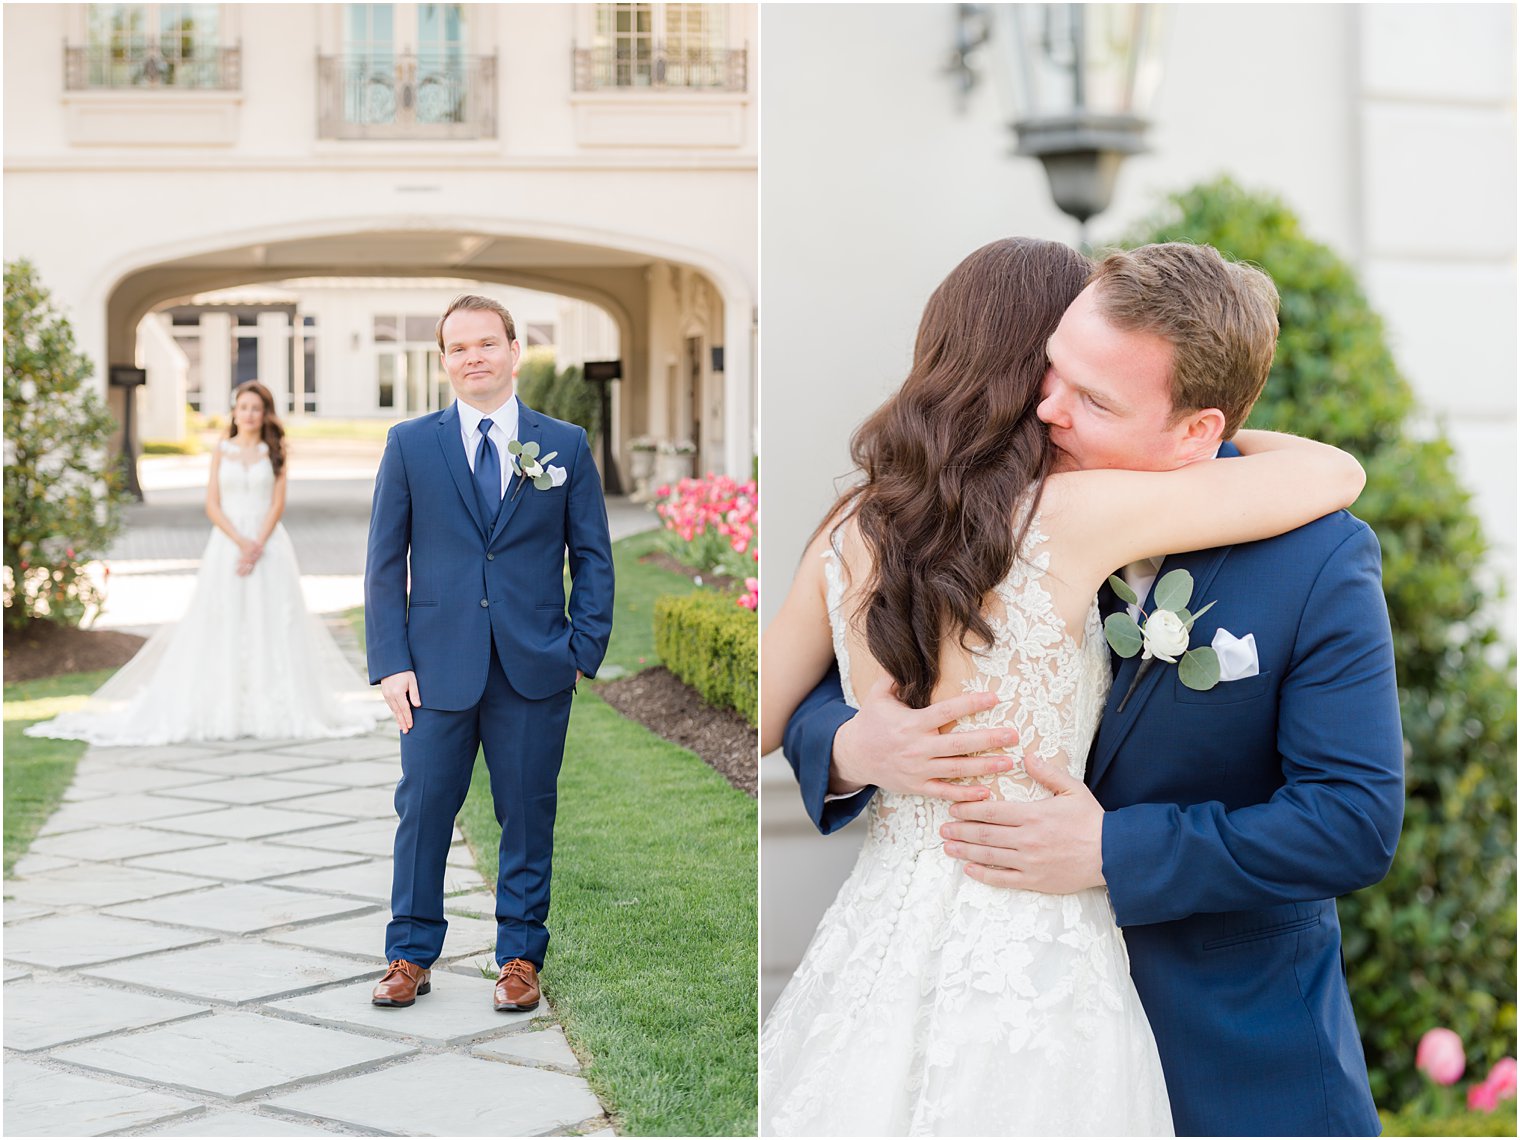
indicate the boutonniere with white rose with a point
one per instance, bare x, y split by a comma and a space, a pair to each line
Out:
1165, 634
533, 467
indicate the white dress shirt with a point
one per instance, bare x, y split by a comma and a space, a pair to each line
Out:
503, 428
1139, 576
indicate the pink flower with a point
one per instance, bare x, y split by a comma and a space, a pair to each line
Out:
750, 599
1440, 1056
1482, 1098
1502, 1077
1498, 1085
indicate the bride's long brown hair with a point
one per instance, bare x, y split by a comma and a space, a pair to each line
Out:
948, 456
273, 432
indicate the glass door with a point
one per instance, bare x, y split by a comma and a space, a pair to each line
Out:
405, 64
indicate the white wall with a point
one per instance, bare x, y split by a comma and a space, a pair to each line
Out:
1389, 129
665, 175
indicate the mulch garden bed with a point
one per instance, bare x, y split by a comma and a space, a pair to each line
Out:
665, 562
670, 708
43, 649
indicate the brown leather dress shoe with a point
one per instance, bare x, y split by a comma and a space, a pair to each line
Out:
403, 984
517, 987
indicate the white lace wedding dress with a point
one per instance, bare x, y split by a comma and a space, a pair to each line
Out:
931, 1004
246, 660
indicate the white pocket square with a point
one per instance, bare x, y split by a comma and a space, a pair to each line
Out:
556, 476
1237, 655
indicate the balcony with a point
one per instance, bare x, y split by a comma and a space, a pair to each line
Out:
406, 97
643, 66
150, 64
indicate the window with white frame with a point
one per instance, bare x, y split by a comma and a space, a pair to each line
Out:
153, 45
404, 72
642, 45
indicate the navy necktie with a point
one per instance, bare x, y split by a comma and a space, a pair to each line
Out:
487, 474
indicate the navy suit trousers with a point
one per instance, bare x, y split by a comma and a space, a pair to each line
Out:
524, 742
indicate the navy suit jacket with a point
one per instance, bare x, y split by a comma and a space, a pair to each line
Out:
1234, 817
475, 580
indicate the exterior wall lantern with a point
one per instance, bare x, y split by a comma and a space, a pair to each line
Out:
1075, 81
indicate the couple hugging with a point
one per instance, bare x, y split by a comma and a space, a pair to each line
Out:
1097, 894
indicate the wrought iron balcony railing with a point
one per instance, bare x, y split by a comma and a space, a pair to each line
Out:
152, 64
647, 65
406, 96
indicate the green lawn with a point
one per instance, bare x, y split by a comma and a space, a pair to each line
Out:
310, 427
652, 962
38, 771
638, 585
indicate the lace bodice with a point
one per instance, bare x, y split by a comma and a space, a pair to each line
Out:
246, 488
1050, 687
930, 1003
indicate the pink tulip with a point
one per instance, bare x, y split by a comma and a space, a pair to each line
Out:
1498, 1085
1482, 1098
1502, 1076
1440, 1056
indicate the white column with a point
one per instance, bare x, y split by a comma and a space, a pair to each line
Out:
738, 385
297, 367
274, 357
216, 363
161, 402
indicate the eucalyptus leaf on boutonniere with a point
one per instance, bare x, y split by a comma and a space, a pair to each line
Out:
533, 467
1165, 634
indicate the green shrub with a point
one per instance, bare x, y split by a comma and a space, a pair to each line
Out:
61, 492
562, 394
713, 644
1434, 943
1500, 1122
190, 445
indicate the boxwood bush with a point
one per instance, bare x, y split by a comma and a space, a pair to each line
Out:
712, 644
1434, 943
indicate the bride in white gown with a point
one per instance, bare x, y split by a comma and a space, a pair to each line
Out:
929, 1003
247, 659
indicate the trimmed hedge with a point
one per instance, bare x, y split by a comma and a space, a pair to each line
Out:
713, 645
1433, 943
1411, 1122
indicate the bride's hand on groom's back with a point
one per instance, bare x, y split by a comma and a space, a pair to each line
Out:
900, 749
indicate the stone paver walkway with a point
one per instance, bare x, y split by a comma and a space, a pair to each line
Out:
191, 940
190, 945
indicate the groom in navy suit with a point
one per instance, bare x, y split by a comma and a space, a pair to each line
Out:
481, 502
1223, 822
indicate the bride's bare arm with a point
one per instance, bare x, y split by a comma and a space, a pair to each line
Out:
1279, 483
276, 508
796, 649
214, 510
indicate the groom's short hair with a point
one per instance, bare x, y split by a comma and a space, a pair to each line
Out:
1219, 316
480, 304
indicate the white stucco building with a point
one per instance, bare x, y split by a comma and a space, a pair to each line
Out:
602, 153
1390, 129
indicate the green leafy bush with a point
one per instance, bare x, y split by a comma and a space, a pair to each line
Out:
712, 644
562, 394
190, 445
1434, 943
1500, 1122
61, 494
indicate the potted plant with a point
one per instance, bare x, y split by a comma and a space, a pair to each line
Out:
675, 460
